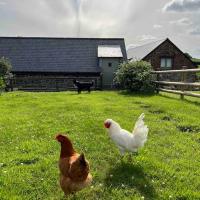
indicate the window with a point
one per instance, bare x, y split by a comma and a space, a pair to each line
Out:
109, 64
166, 62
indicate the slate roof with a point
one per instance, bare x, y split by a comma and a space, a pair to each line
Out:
37, 54
109, 51
138, 53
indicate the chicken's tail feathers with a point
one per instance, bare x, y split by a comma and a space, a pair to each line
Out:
139, 122
140, 131
66, 144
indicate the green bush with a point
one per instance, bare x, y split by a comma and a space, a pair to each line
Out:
2, 85
135, 76
5, 68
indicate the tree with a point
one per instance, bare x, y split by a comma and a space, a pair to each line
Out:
188, 55
135, 76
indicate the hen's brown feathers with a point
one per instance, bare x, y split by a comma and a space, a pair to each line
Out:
66, 146
74, 168
79, 169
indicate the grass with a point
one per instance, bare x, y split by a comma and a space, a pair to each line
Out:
166, 168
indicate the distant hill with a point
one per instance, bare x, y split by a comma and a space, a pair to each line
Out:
196, 61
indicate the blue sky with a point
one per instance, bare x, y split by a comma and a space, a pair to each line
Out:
138, 21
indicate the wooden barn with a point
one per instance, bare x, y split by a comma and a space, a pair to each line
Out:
51, 64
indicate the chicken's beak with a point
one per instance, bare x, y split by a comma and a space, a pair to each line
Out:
107, 124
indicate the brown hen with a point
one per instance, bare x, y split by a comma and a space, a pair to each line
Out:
74, 168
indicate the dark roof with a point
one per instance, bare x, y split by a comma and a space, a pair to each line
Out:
38, 54
139, 52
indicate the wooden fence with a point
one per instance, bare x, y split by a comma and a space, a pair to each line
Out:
183, 84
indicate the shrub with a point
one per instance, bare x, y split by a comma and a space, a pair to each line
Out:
135, 76
5, 68
2, 85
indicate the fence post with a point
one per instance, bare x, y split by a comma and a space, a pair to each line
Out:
183, 79
57, 88
101, 80
95, 83
157, 79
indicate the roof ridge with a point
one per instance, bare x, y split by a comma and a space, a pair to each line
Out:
77, 38
161, 40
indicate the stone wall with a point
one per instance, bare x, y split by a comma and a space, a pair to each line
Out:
51, 83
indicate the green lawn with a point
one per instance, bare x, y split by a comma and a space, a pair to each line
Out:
168, 167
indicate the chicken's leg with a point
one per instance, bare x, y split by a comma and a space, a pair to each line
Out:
122, 150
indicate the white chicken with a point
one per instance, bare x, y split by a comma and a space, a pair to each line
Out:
125, 140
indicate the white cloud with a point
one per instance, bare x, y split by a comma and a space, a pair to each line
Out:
138, 22
157, 26
145, 37
182, 5
105, 17
181, 22
2, 3
195, 31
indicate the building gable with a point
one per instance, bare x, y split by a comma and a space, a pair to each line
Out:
167, 49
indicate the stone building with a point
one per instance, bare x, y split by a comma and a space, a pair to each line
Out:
163, 55
51, 64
